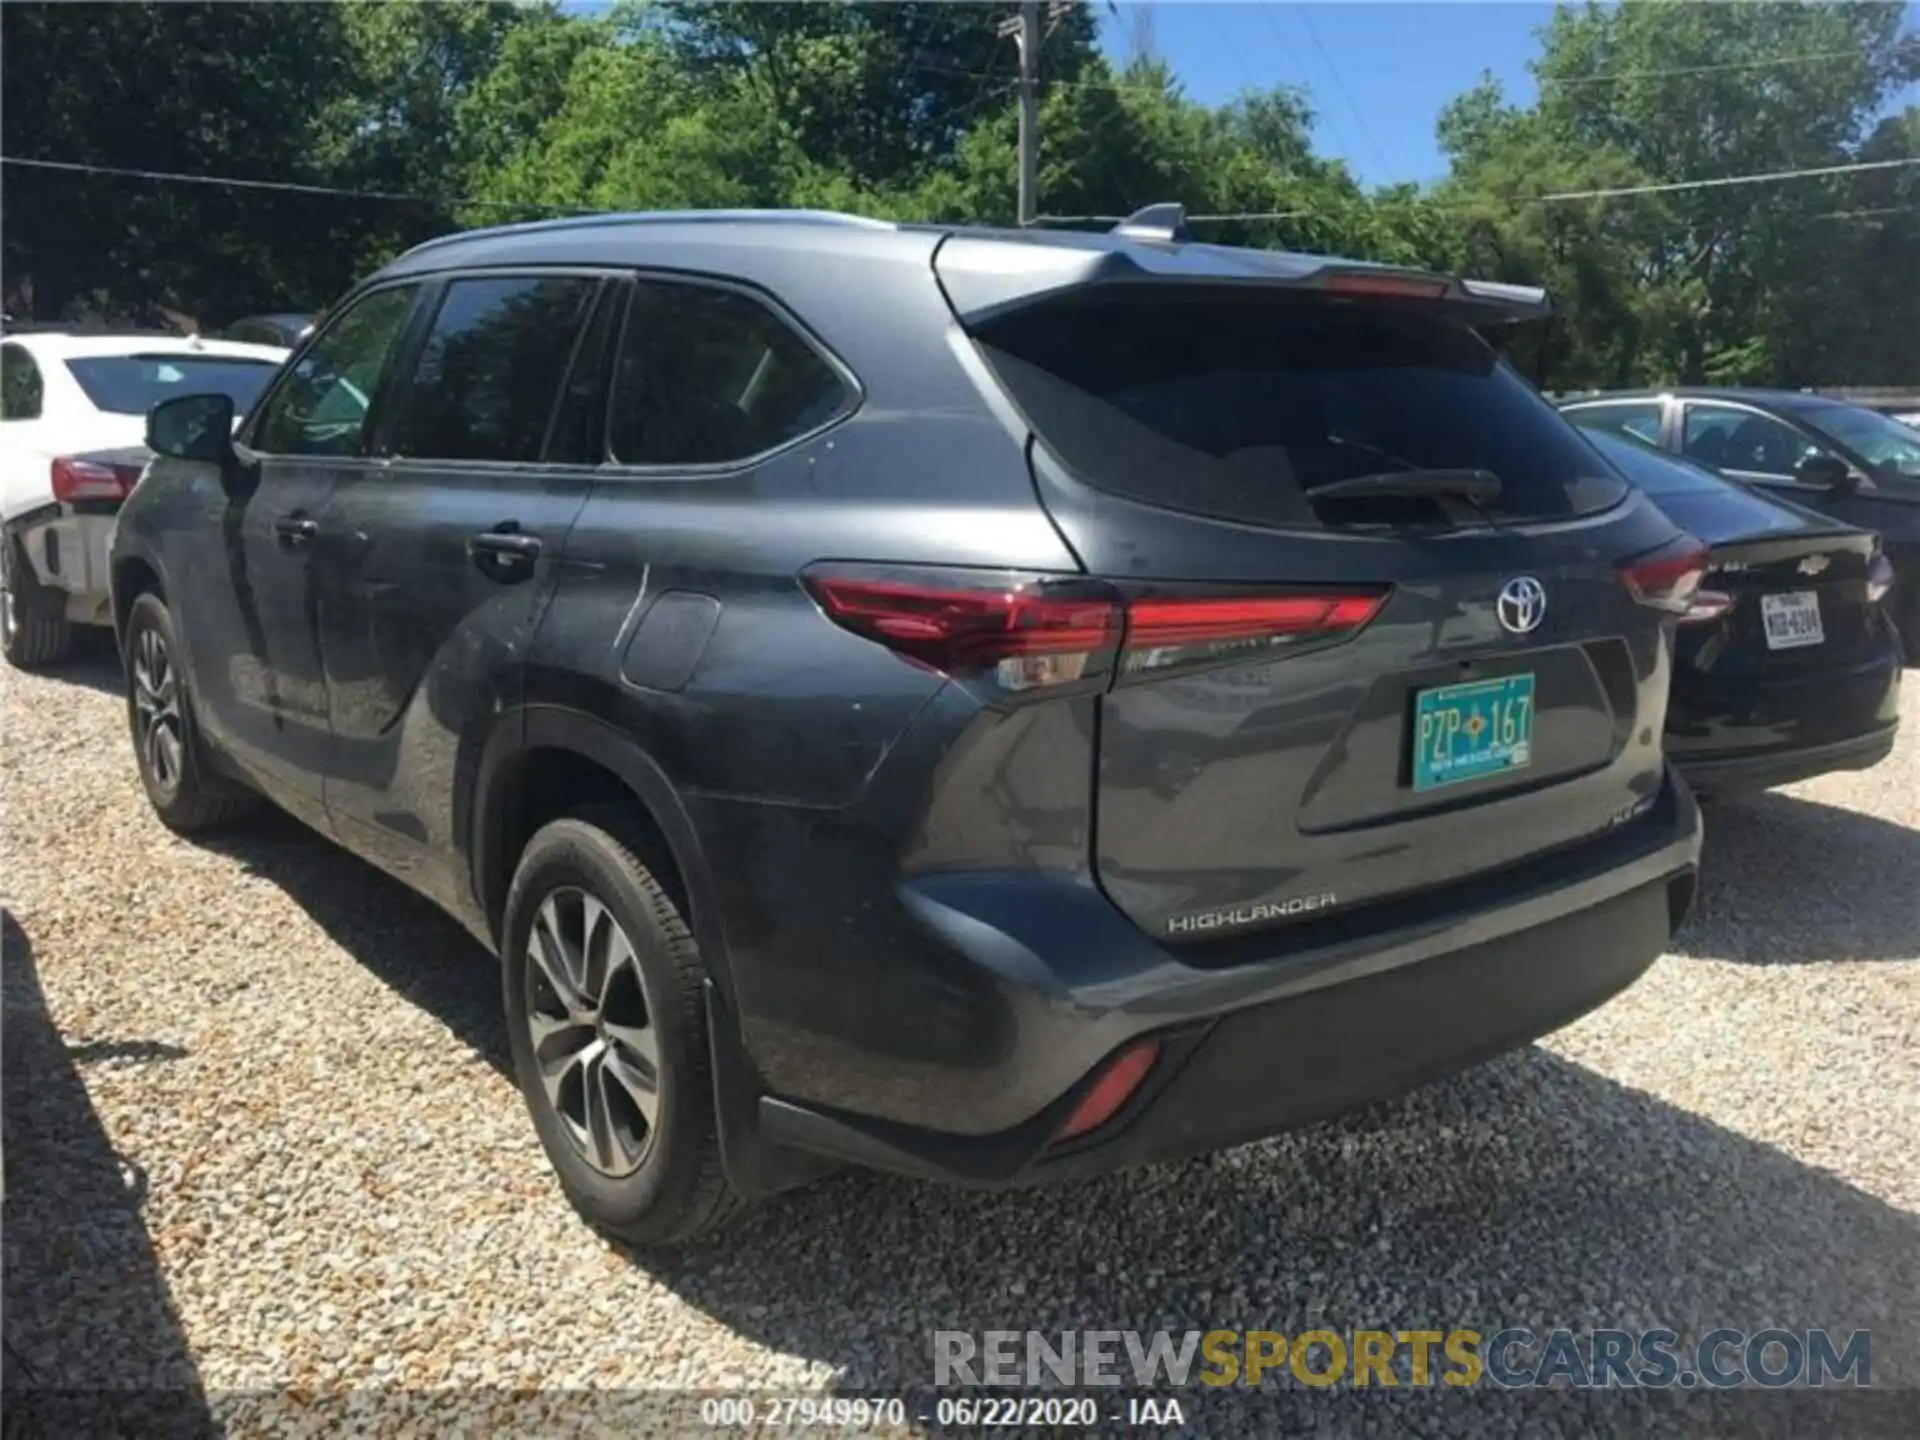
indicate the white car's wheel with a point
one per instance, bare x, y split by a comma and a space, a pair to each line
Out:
33, 619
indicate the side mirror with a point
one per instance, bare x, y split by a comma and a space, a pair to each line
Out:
1823, 471
193, 427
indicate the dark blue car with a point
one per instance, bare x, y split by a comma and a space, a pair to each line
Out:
1787, 664
1844, 461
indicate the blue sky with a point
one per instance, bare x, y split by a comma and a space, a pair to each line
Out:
1378, 74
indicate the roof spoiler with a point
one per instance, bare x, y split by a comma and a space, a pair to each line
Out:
986, 275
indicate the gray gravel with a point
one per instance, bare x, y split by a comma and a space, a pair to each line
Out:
260, 1136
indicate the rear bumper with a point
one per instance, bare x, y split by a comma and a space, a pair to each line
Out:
1730, 736
1735, 774
1267, 1045
70, 553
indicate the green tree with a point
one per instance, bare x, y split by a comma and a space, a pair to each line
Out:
179, 88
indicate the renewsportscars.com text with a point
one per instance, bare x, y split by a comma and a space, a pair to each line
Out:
1512, 1358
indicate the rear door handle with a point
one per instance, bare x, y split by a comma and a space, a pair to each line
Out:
294, 530
504, 552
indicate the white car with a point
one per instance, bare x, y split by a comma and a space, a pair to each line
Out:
73, 416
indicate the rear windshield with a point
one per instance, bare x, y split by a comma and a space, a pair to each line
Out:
134, 384
1238, 404
1655, 471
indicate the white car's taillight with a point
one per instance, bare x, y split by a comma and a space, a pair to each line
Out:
90, 480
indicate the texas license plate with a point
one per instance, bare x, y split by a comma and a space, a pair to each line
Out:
1792, 620
1465, 732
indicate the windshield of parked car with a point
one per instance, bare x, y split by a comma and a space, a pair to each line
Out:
1878, 439
1240, 404
1652, 470
134, 384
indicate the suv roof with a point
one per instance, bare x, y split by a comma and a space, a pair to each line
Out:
1002, 264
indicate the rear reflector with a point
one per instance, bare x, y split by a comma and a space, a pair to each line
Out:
1032, 630
89, 480
1111, 1091
1669, 578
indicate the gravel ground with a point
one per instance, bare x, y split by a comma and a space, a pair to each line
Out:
260, 1136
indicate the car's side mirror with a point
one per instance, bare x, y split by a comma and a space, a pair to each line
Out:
1823, 471
193, 427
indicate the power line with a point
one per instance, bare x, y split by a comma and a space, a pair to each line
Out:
289, 186
1856, 168
1612, 193
1767, 64
1112, 82
1345, 94
1617, 192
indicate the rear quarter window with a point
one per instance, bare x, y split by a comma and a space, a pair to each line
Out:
710, 376
1237, 405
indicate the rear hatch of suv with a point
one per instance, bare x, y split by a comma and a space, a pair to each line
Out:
1334, 691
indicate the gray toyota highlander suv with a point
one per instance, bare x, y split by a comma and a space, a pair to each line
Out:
992, 706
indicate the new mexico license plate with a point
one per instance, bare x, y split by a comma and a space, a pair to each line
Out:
1465, 732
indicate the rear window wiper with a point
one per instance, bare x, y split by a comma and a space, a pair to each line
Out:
1476, 487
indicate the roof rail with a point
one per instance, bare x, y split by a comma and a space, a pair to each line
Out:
1165, 222
660, 217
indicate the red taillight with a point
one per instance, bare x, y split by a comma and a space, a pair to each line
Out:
1163, 632
90, 480
1027, 630
1364, 282
1111, 1091
1031, 630
1669, 578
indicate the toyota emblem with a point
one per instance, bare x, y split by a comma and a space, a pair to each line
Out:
1522, 604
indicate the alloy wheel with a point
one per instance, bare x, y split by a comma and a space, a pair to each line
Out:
591, 1025
159, 736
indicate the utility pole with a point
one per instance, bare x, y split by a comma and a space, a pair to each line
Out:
1029, 38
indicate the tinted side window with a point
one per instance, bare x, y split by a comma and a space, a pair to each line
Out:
491, 368
708, 375
322, 407
20, 385
1732, 439
1638, 419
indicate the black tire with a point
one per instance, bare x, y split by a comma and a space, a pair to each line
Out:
678, 1188
183, 789
33, 619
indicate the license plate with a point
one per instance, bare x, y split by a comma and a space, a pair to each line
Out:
1466, 732
1792, 620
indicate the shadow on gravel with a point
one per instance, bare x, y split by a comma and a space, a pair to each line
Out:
93, 662
93, 1346
402, 938
1787, 881
1527, 1192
